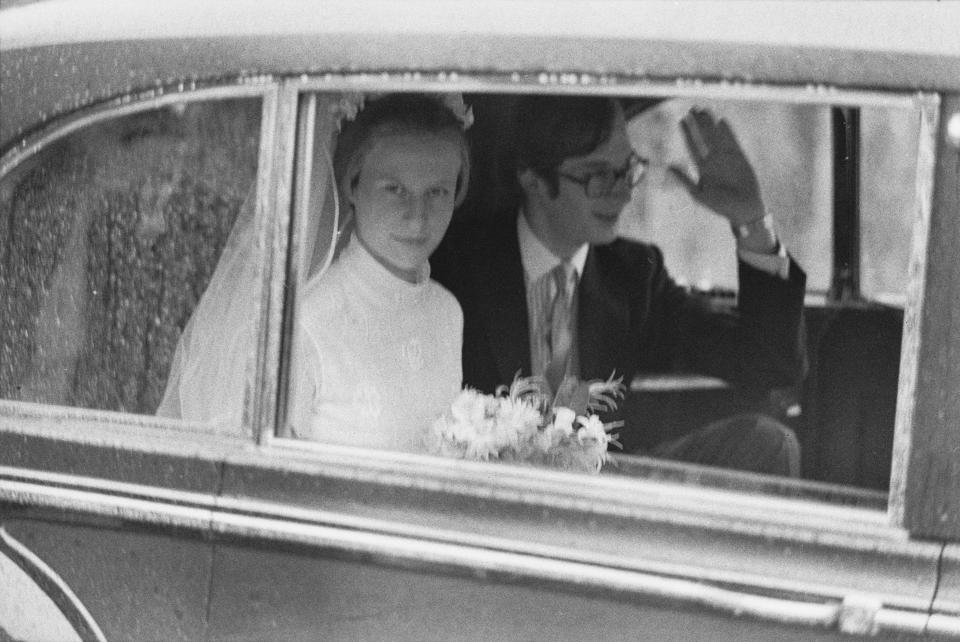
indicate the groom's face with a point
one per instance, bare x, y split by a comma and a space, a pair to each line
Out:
574, 218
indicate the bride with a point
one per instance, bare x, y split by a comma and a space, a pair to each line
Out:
376, 353
376, 347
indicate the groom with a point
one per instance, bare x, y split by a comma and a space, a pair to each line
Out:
547, 287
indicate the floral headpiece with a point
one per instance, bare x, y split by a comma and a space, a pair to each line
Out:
351, 104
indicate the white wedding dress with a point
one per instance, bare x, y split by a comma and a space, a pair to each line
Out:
375, 358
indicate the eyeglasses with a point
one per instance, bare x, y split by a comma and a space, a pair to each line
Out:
601, 183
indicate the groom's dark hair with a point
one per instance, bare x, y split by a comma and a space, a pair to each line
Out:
551, 128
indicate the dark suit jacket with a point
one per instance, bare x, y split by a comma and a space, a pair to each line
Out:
632, 317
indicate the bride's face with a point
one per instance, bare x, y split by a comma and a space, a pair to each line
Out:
404, 198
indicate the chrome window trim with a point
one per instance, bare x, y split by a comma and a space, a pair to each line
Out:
275, 201
515, 508
609, 85
126, 104
925, 103
110, 429
435, 549
762, 515
797, 519
305, 124
275, 176
274, 522
913, 310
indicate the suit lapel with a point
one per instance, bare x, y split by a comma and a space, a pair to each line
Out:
603, 320
503, 302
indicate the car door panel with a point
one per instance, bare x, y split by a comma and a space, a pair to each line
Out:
289, 593
136, 582
123, 523
343, 487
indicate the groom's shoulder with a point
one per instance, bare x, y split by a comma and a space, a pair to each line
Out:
628, 255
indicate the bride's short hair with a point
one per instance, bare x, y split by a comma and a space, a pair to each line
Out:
399, 113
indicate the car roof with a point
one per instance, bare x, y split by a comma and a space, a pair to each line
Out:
59, 55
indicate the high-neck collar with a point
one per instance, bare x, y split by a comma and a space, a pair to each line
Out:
377, 280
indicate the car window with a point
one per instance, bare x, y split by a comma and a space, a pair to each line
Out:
132, 261
790, 148
111, 236
888, 162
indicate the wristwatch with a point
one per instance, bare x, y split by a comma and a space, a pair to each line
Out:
751, 228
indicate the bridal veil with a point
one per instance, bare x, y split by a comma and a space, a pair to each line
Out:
213, 367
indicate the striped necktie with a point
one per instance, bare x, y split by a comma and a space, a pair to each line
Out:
561, 333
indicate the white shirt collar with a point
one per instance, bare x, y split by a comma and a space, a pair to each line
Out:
537, 260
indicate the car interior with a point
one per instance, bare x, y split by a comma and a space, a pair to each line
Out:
844, 410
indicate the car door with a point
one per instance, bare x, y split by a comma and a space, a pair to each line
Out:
113, 227
454, 546
168, 528
228, 527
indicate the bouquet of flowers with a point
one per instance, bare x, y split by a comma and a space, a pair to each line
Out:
526, 423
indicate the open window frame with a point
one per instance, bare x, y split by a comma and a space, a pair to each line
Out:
926, 106
789, 559
805, 519
263, 233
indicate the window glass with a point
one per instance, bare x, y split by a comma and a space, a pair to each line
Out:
789, 148
889, 143
378, 354
111, 236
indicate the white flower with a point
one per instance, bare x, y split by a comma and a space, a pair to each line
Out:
591, 430
350, 104
454, 102
563, 420
347, 107
512, 426
545, 439
470, 407
517, 418
485, 426
467, 416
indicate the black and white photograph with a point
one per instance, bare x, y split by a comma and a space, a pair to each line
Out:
479, 320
